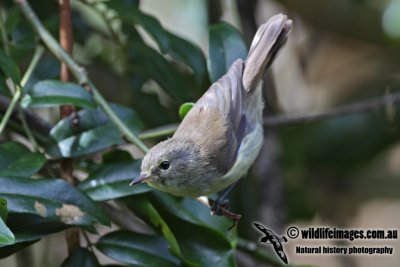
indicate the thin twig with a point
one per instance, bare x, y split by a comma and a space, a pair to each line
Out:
32, 66
168, 129
78, 72
225, 212
18, 92
88, 242
10, 108
35, 122
289, 119
29, 134
358, 107
15, 126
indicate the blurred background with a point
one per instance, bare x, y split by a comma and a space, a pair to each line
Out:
342, 172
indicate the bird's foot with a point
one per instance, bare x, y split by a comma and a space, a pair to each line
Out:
219, 207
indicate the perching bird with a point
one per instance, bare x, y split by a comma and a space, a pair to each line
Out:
221, 136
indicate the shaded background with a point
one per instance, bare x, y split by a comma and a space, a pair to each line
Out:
342, 171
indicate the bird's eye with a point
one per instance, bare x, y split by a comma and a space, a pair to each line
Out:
164, 165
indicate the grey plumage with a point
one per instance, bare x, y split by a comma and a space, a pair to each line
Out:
221, 136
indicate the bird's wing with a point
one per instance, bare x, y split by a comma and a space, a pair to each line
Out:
217, 117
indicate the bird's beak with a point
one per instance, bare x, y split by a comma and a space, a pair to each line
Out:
139, 179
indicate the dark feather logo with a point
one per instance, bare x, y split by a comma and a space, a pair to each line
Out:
270, 238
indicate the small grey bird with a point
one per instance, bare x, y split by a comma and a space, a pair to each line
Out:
222, 134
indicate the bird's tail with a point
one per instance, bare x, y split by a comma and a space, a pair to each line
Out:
270, 37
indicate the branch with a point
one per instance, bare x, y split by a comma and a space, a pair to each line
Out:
164, 130
358, 107
11, 109
34, 122
78, 72
66, 41
288, 119
39, 51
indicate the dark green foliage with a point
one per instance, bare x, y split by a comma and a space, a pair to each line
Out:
17, 160
137, 249
55, 93
94, 133
6, 236
81, 257
226, 45
110, 181
154, 85
39, 207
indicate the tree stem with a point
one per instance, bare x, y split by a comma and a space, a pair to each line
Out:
357, 107
72, 235
10, 108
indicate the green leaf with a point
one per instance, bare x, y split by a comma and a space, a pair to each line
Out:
17, 160
147, 61
9, 67
6, 236
133, 15
205, 245
202, 246
3, 209
94, 133
137, 249
54, 93
28, 229
177, 47
226, 45
11, 249
81, 257
116, 155
192, 211
53, 199
146, 210
111, 181
321, 144
184, 109
191, 55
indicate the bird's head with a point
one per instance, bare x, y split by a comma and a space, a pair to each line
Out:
169, 165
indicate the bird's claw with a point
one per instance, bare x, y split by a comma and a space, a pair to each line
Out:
220, 208
218, 205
